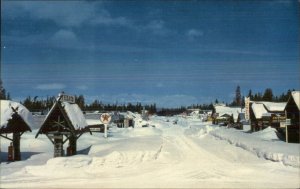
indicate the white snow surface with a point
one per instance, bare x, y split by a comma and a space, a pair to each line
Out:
275, 106
75, 115
189, 154
7, 112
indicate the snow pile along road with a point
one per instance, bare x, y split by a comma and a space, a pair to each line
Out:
185, 154
264, 144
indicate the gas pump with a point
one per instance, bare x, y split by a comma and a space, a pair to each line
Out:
10, 156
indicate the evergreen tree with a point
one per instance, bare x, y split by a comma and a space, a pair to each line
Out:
238, 97
2, 91
268, 95
80, 101
8, 96
250, 94
216, 101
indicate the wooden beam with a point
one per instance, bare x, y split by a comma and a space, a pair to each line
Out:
66, 139
50, 139
6, 137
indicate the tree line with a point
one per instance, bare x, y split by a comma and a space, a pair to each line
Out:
36, 104
3, 94
269, 96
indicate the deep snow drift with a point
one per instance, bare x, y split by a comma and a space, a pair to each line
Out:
183, 155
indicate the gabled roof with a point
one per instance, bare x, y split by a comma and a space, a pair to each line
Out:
72, 117
75, 115
263, 108
222, 109
296, 97
274, 106
10, 112
258, 110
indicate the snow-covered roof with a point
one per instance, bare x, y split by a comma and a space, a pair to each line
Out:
73, 112
94, 122
274, 106
264, 108
296, 97
75, 115
221, 110
258, 110
130, 115
194, 113
7, 112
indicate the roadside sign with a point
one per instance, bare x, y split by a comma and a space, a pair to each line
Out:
247, 108
67, 98
94, 129
58, 137
105, 118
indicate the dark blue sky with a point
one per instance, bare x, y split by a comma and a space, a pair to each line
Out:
169, 52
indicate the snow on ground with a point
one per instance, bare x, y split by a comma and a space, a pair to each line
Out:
189, 154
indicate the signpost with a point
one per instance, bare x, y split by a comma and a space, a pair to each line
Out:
247, 108
287, 123
67, 98
105, 119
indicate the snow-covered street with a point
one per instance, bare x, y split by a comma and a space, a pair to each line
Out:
190, 154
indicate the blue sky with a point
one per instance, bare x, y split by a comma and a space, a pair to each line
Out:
169, 52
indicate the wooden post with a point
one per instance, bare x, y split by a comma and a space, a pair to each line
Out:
10, 154
72, 148
105, 130
16, 145
58, 145
286, 129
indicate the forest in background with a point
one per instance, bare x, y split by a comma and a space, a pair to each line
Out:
35, 104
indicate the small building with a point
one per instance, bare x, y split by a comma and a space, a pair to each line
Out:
125, 120
265, 114
15, 119
292, 113
95, 125
224, 114
64, 122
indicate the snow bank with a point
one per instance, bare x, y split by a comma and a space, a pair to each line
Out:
200, 131
264, 144
268, 134
7, 112
141, 131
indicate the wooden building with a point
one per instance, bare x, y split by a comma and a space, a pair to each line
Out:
265, 114
15, 120
64, 122
224, 114
292, 112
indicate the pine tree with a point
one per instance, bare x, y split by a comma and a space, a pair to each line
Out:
2, 91
80, 101
216, 101
250, 94
268, 95
238, 96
